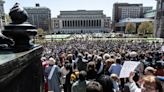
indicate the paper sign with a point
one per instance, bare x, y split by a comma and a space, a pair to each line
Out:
128, 67
162, 48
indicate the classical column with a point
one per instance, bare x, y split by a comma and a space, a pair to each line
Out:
73, 22
65, 23
97, 23
94, 23
89, 23
81, 22
78, 23
70, 23
62, 23
86, 23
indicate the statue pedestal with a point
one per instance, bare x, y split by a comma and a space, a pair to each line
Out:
21, 72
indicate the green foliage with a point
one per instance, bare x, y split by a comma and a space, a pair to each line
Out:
41, 32
40, 35
145, 28
130, 28
8, 19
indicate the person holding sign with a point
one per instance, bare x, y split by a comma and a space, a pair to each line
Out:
149, 84
128, 66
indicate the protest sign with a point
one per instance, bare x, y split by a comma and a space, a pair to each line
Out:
162, 48
128, 67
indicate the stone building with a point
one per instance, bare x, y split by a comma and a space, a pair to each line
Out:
40, 17
126, 10
2, 14
159, 19
81, 21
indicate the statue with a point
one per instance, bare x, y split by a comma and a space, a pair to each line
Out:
17, 14
5, 42
17, 35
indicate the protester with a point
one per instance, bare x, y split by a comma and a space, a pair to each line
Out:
115, 68
53, 73
149, 84
68, 84
81, 84
150, 71
108, 64
91, 71
106, 83
116, 83
94, 86
102, 60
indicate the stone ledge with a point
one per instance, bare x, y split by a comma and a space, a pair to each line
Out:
13, 65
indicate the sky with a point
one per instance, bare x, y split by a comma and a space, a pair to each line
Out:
59, 5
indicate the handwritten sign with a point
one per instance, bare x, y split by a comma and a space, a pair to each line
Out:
162, 48
128, 67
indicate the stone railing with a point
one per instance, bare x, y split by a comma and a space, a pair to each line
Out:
20, 65
21, 72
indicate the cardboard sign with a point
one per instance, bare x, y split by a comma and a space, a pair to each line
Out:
128, 67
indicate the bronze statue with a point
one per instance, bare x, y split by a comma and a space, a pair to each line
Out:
17, 14
19, 31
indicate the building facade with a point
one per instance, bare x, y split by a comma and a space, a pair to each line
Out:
40, 17
121, 25
81, 21
150, 14
146, 9
159, 19
2, 15
126, 10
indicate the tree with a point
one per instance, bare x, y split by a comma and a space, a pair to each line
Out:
130, 28
145, 28
40, 32
41, 35
8, 19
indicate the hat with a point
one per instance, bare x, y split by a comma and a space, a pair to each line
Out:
51, 61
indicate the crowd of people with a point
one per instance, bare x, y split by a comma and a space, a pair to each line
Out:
95, 65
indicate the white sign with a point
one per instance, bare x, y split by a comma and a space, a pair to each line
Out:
128, 67
162, 48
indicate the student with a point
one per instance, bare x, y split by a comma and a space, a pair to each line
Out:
106, 83
81, 84
94, 86
149, 84
53, 72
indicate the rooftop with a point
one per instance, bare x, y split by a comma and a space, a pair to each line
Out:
82, 12
135, 20
35, 7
